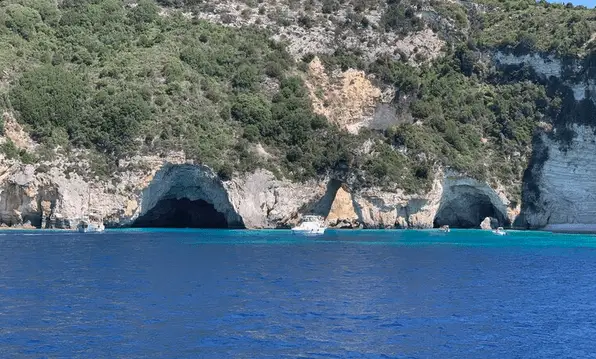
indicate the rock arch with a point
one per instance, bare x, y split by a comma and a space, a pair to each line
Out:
186, 196
466, 202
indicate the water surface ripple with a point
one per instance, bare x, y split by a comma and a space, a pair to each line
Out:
269, 294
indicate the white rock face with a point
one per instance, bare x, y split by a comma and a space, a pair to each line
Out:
560, 185
265, 202
54, 195
50, 199
379, 209
453, 200
486, 224
546, 66
566, 183
58, 198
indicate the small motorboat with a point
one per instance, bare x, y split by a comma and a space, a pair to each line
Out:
91, 224
445, 229
310, 225
500, 231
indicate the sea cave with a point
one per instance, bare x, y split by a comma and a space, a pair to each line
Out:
186, 196
182, 213
467, 207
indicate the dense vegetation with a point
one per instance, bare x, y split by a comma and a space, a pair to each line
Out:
528, 26
466, 113
120, 79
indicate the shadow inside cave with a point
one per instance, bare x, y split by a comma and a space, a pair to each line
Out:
467, 210
182, 213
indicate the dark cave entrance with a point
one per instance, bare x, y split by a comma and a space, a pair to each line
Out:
182, 213
468, 210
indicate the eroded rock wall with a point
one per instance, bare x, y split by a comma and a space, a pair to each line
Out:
560, 181
379, 209
466, 202
59, 198
454, 200
266, 202
29, 196
560, 188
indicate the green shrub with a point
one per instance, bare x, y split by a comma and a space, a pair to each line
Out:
10, 150
251, 109
49, 97
21, 19
146, 11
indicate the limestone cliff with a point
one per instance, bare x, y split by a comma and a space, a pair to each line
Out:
560, 181
173, 192
412, 90
266, 202
454, 199
560, 184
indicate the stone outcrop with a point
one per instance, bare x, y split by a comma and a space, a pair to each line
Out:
489, 223
486, 223
266, 202
560, 181
560, 184
347, 99
379, 209
453, 200
173, 192
52, 199
342, 213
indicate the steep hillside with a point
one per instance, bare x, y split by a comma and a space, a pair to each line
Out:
384, 95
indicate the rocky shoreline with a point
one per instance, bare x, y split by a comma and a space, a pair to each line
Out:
258, 200
558, 188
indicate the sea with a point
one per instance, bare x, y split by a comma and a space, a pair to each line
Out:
271, 294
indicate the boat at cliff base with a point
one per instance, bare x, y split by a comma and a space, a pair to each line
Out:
91, 224
310, 224
500, 231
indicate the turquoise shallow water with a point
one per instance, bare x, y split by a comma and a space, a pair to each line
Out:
384, 237
271, 294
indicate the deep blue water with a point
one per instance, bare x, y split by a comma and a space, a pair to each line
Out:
269, 294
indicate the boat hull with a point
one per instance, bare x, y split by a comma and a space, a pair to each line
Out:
90, 229
308, 230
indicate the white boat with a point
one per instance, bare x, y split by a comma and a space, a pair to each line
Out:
445, 229
310, 225
91, 225
500, 231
